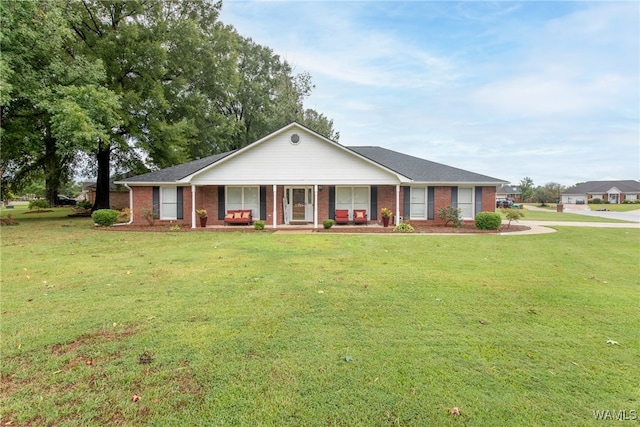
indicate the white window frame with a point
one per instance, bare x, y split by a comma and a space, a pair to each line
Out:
353, 203
168, 207
244, 204
467, 207
416, 191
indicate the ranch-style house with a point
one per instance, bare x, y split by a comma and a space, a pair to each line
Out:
296, 176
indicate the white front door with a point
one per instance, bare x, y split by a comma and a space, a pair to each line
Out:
299, 204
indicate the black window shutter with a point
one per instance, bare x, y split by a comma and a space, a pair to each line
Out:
263, 202
180, 207
431, 203
454, 197
156, 202
374, 204
478, 199
332, 202
221, 211
406, 205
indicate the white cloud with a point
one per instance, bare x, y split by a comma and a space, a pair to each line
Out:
538, 88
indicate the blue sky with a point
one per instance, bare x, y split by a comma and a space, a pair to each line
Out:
549, 90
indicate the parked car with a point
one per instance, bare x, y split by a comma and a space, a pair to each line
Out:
66, 201
504, 203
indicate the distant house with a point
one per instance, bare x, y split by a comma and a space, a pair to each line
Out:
509, 192
608, 191
295, 175
118, 194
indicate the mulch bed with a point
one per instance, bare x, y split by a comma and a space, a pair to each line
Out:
466, 229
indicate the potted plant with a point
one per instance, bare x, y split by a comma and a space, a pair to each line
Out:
202, 213
386, 214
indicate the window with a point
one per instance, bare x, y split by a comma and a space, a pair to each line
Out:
168, 203
418, 202
352, 198
465, 202
244, 198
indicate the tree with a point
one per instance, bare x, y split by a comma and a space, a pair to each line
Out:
150, 50
49, 98
550, 192
526, 188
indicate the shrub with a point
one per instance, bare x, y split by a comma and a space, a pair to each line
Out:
450, 215
175, 227
595, 201
84, 204
124, 215
403, 227
39, 204
148, 215
512, 215
258, 225
328, 223
8, 221
105, 217
488, 220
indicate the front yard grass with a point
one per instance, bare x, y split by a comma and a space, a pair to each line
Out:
130, 328
531, 215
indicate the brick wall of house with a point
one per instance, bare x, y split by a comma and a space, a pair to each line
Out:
488, 199
119, 199
387, 199
323, 204
207, 198
142, 199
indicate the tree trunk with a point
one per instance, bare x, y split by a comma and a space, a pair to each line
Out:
52, 166
102, 183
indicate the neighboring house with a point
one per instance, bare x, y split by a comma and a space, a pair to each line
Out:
609, 191
118, 194
295, 175
509, 192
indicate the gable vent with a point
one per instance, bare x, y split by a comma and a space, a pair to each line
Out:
295, 138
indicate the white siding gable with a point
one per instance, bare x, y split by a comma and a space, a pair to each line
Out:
276, 160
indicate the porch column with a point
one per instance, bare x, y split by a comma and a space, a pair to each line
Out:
315, 206
397, 205
275, 205
193, 206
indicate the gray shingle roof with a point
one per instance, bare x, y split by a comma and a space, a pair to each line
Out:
176, 173
420, 170
628, 186
508, 189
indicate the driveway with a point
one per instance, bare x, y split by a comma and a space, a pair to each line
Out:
625, 216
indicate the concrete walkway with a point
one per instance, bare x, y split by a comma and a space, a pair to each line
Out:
542, 227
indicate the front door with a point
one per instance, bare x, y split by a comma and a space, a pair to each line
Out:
299, 207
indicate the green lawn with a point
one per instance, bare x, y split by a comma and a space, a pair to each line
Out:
531, 215
316, 329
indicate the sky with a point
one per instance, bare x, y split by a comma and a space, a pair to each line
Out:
545, 90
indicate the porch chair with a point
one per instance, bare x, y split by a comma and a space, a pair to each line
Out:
342, 216
360, 216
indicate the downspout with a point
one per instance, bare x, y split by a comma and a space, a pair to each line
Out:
130, 207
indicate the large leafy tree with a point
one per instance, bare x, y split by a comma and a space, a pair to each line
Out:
50, 102
133, 83
268, 96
